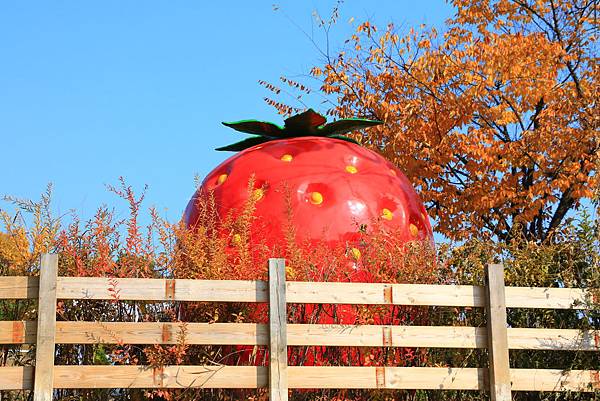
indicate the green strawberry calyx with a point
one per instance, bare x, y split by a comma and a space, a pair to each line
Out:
308, 123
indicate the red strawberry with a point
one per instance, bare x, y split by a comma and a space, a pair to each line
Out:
335, 185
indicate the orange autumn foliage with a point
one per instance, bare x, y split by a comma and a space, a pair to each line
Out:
495, 121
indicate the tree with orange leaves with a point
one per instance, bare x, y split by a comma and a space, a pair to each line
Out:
495, 120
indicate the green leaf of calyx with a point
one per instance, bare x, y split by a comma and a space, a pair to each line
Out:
304, 124
343, 138
255, 127
246, 143
308, 123
346, 125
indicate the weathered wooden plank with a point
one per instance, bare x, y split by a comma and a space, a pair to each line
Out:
255, 377
217, 376
278, 380
246, 377
19, 287
499, 367
18, 332
553, 339
46, 328
81, 332
546, 298
432, 295
440, 337
386, 336
257, 291
555, 380
386, 378
21, 378
439, 378
162, 289
378, 293
161, 333
298, 292
16, 377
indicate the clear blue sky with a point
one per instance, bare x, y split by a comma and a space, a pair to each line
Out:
90, 91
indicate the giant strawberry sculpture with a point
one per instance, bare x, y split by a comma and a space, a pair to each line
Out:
333, 185
332, 192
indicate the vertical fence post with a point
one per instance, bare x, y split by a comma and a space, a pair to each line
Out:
278, 383
46, 328
499, 367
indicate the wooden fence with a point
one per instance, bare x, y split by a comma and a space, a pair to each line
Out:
497, 378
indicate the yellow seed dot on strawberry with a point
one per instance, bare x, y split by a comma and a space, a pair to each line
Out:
258, 194
316, 198
351, 169
287, 158
414, 231
222, 178
236, 239
393, 172
387, 214
355, 252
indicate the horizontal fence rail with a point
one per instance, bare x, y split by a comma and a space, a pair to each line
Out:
81, 332
300, 377
132, 289
334, 335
